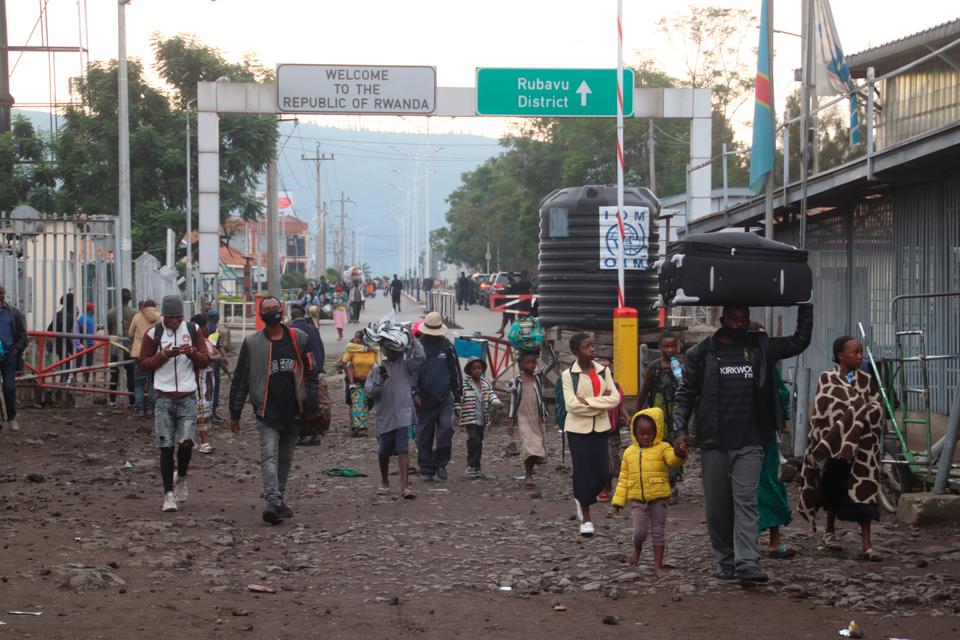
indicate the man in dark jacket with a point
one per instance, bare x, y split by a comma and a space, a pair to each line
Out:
728, 379
13, 334
463, 291
396, 288
276, 370
438, 386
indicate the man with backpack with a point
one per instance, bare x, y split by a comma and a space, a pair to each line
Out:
174, 352
437, 387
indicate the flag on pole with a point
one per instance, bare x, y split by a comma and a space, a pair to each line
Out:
830, 69
761, 154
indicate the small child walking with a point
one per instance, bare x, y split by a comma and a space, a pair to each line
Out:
528, 413
477, 408
388, 388
645, 484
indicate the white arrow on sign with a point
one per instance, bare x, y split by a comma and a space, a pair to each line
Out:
584, 91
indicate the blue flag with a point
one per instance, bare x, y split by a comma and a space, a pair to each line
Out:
761, 154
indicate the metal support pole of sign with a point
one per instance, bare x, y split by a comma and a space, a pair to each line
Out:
786, 154
273, 253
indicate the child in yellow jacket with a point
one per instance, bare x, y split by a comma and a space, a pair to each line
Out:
645, 483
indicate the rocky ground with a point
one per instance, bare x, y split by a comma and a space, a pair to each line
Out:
85, 545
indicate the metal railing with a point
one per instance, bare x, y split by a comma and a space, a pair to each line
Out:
445, 304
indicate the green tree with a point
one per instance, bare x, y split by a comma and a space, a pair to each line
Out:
26, 173
86, 156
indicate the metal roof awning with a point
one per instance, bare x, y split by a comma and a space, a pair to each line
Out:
920, 159
889, 56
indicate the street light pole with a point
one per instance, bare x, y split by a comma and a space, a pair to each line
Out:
189, 271
123, 131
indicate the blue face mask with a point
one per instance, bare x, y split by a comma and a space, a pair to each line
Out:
211, 326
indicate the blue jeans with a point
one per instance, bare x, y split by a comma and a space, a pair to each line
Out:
276, 456
142, 389
8, 369
175, 421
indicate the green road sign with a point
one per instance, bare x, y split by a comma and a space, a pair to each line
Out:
552, 92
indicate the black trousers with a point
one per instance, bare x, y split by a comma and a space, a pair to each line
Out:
474, 445
590, 457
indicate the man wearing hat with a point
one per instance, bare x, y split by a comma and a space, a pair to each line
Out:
476, 411
174, 352
437, 387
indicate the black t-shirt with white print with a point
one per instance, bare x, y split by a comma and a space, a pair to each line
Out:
282, 388
738, 411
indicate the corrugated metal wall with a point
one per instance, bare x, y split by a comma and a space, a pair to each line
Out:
919, 100
904, 243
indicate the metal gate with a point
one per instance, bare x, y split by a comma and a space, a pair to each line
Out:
57, 264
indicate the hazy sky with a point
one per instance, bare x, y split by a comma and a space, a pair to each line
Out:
455, 36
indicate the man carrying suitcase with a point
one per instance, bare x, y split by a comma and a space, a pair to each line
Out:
728, 380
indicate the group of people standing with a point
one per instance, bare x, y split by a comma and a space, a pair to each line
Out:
731, 385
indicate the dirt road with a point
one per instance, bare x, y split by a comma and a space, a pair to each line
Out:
85, 544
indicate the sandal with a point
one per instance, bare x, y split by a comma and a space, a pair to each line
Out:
830, 542
382, 491
782, 552
408, 494
870, 555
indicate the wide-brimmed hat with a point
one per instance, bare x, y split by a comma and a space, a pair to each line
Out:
433, 325
466, 367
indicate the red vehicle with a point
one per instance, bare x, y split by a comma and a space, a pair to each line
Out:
497, 283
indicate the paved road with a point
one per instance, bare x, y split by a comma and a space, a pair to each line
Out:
475, 319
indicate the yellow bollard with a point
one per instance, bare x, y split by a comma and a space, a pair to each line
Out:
626, 347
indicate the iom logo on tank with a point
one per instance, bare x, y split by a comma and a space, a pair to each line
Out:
636, 222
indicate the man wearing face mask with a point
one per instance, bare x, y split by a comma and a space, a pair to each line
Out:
277, 371
728, 380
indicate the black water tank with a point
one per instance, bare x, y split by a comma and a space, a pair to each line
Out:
574, 290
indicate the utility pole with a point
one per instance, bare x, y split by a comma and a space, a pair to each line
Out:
651, 156
123, 125
342, 234
6, 100
321, 243
273, 254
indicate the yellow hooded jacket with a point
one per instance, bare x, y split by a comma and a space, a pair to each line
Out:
644, 472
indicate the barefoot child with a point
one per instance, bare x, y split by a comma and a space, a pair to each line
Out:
528, 413
388, 387
476, 411
645, 483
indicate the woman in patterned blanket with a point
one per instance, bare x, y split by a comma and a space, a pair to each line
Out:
841, 466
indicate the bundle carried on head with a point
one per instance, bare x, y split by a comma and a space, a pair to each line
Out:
387, 335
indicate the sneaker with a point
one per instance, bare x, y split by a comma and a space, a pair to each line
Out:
751, 574
725, 573
169, 501
586, 529
426, 477
180, 489
215, 419
579, 510
442, 474
271, 514
14, 426
284, 510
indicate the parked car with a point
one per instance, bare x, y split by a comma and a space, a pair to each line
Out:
497, 283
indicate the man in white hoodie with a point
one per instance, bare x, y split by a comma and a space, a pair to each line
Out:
174, 352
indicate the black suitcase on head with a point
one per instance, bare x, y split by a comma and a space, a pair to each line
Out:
731, 267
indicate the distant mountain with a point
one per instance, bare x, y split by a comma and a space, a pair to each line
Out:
363, 170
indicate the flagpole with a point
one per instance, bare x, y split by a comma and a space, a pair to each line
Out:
768, 200
807, 76
621, 293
